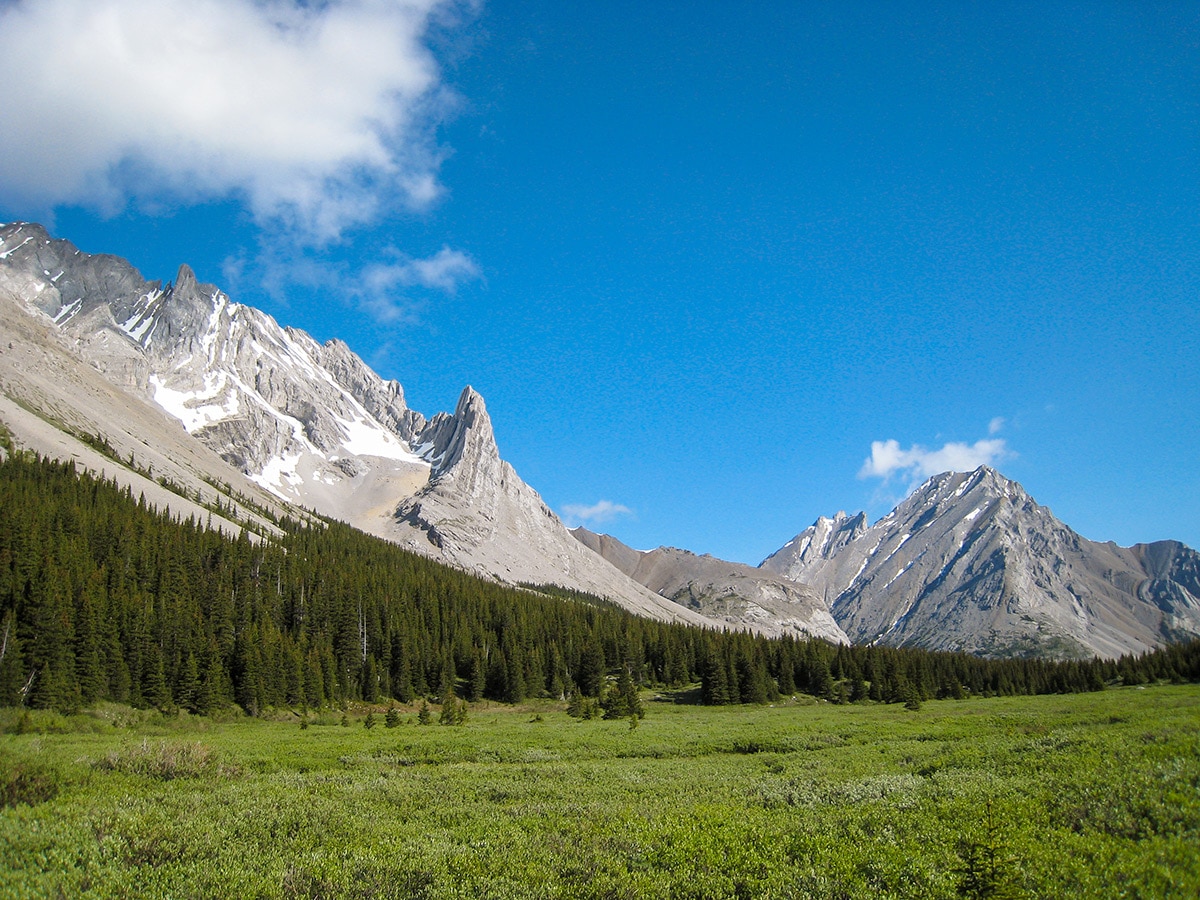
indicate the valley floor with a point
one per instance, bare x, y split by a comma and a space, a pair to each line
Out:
1086, 795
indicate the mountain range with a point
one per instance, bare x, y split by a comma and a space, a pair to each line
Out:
200, 402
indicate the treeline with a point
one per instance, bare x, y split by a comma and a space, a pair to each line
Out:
104, 598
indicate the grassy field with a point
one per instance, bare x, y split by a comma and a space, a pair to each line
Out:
1091, 795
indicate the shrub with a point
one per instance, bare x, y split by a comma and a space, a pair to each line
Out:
165, 760
29, 783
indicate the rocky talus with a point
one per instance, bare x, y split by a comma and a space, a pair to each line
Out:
740, 595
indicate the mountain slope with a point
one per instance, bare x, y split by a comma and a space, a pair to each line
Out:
55, 404
970, 562
733, 592
308, 422
477, 513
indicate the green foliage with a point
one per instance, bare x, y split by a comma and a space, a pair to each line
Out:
104, 599
1091, 795
392, 719
987, 870
454, 711
424, 715
581, 707
164, 760
369, 721
622, 699
27, 781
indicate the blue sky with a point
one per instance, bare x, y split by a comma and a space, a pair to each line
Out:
717, 268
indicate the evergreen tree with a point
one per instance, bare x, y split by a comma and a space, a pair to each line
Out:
476, 677
590, 676
714, 682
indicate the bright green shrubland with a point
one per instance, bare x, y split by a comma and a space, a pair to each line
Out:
1088, 795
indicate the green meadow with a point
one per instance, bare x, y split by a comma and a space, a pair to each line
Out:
1082, 795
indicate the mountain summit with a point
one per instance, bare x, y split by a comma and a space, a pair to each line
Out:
308, 422
970, 562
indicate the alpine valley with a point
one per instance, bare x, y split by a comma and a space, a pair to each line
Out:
203, 404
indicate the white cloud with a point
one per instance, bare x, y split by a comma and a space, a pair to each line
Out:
444, 271
996, 425
318, 116
597, 513
888, 458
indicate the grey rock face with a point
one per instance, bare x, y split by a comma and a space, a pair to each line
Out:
970, 562
821, 541
476, 513
731, 592
308, 422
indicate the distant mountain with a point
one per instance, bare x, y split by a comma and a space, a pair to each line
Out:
211, 407
733, 592
970, 562
309, 423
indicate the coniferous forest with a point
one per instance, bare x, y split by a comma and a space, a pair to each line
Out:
105, 598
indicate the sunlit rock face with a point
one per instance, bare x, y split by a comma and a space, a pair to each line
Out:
970, 562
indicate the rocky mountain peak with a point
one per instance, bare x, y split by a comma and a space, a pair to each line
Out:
969, 561
821, 540
185, 280
462, 446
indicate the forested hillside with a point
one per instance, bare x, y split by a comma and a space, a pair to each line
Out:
105, 598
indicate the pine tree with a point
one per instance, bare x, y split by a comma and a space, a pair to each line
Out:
476, 677
590, 676
714, 682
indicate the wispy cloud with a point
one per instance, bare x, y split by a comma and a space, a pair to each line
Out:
391, 292
317, 116
443, 271
384, 289
597, 514
889, 459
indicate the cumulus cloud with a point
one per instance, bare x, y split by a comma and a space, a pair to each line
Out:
597, 513
888, 458
316, 115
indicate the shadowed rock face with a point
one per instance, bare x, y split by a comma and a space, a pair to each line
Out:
970, 562
309, 422
738, 594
